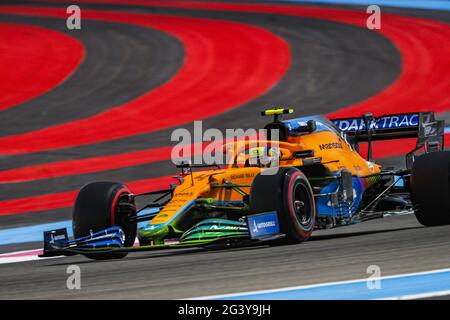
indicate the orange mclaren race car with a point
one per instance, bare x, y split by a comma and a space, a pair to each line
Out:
272, 190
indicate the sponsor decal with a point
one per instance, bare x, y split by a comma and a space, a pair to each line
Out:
242, 176
221, 227
331, 145
58, 236
184, 194
263, 224
386, 122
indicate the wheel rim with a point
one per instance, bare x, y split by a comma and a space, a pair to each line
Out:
302, 205
121, 221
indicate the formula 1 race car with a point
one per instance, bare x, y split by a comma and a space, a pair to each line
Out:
273, 190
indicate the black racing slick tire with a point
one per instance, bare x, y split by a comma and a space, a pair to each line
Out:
289, 193
430, 191
97, 208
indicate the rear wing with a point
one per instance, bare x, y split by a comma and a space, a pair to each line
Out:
396, 126
421, 125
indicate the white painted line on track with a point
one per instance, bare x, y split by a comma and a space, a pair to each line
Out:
22, 256
23, 259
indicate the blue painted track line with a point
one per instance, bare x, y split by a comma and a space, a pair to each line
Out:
417, 4
34, 233
392, 287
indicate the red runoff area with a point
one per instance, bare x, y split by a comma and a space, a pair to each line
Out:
34, 60
65, 199
422, 85
226, 64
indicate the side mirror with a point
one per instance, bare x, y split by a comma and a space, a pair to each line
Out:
312, 126
309, 127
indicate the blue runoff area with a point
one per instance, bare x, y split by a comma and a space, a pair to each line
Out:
35, 233
416, 4
390, 287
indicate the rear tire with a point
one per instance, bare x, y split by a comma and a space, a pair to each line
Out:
96, 208
289, 193
430, 194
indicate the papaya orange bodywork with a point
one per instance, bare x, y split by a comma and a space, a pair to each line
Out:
335, 153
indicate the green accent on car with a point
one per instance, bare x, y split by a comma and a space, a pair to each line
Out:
206, 230
214, 229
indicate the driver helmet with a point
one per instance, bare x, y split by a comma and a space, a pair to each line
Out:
263, 156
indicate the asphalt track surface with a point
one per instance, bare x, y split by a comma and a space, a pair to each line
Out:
397, 244
332, 65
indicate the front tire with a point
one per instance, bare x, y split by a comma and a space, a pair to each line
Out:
97, 208
430, 190
289, 193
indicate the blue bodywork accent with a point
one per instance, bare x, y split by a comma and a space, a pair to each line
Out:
56, 240
324, 203
145, 212
108, 243
110, 237
400, 182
